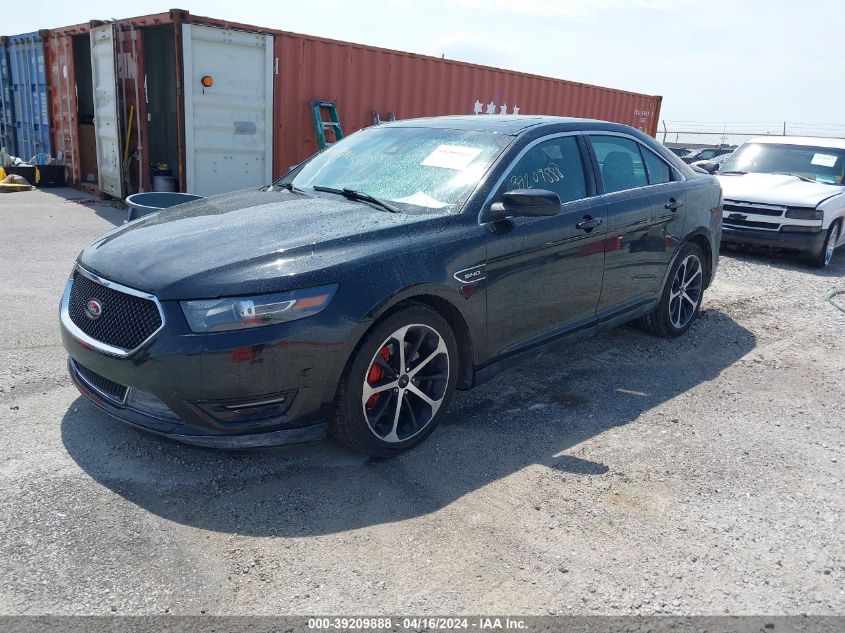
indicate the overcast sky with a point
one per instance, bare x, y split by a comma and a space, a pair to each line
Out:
711, 60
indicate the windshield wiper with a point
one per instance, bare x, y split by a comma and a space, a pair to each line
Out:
360, 196
733, 171
289, 186
804, 178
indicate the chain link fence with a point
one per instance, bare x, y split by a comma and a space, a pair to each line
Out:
697, 134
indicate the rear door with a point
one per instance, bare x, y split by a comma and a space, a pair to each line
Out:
106, 121
644, 198
544, 275
228, 84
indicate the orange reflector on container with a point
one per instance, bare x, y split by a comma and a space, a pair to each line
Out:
207, 81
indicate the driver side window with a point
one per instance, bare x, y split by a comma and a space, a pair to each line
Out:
554, 165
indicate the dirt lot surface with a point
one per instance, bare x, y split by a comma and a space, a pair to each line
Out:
627, 475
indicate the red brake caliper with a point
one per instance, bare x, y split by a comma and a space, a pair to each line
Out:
375, 375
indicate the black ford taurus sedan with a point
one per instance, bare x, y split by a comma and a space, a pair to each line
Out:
355, 294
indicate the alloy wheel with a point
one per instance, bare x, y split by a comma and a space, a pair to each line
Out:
686, 291
405, 383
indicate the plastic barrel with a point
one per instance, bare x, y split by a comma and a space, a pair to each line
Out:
141, 204
164, 183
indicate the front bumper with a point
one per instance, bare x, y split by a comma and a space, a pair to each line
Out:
175, 429
808, 242
213, 388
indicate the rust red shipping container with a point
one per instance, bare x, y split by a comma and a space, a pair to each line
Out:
360, 79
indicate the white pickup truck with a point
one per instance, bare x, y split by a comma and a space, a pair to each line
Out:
786, 192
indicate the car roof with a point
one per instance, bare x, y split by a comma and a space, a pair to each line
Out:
511, 124
812, 141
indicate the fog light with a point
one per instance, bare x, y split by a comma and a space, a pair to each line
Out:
257, 409
800, 229
148, 404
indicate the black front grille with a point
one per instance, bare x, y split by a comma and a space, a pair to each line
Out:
749, 224
126, 321
741, 208
113, 390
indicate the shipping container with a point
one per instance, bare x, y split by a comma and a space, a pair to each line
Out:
30, 104
369, 84
130, 94
7, 120
223, 105
98, 69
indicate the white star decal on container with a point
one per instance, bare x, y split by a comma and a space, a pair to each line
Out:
491, 108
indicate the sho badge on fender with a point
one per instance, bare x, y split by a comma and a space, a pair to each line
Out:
471, 275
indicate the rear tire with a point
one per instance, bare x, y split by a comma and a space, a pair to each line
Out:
823, 257
681, 298
398, 384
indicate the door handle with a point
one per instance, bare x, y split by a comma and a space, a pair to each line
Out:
674, 205
588, 223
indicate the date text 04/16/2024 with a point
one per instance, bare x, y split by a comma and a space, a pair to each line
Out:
417, 623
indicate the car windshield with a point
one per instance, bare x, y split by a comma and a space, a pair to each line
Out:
821, 164
428, 170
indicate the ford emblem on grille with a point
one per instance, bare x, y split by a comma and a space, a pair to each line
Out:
93, 309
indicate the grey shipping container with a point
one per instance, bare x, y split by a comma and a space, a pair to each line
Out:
30, 101
7, 120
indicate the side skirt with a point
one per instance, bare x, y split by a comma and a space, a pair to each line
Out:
485, 373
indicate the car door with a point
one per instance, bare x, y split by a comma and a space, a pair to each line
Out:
544, 274
644, 198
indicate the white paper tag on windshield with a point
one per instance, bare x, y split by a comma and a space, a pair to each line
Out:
421, 199
451, 157
825, 160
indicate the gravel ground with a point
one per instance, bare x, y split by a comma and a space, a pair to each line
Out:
627, 475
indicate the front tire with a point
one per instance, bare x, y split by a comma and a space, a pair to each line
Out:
680, 300
397, 386
823, 258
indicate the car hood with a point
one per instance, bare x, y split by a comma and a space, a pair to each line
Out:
776, 189
246, 242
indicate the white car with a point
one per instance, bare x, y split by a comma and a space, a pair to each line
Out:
786, 192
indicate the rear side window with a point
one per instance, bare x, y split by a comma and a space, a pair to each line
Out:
554, 165
658, 171
620, 163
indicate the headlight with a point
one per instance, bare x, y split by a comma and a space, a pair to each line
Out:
804, 214
218, 315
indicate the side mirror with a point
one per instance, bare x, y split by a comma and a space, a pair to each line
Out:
530, 203
710, 166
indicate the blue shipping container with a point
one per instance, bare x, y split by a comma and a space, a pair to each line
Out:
7, 120
30, 103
